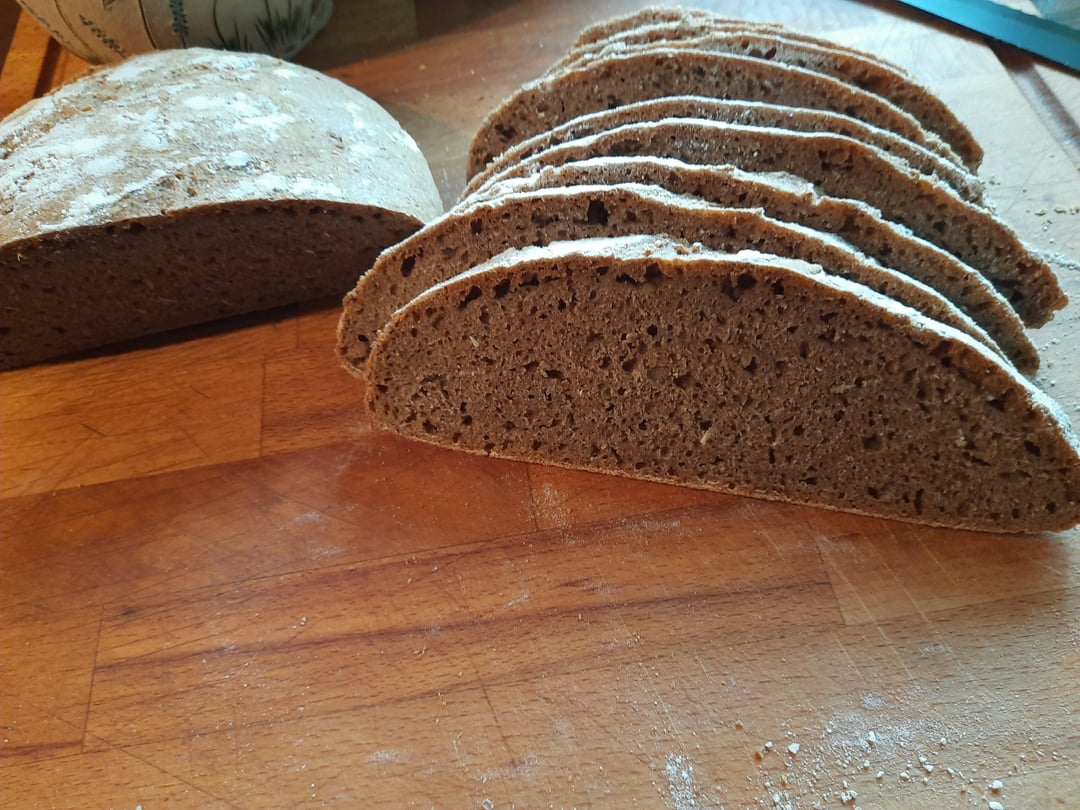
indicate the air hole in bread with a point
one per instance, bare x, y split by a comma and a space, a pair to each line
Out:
628, 146
597, 213
472, 295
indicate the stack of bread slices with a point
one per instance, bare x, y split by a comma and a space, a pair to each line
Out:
728, 255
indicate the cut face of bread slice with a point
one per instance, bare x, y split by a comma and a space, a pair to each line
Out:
674, 22
612, 81
613, 27
791, 199
745, 374
752, 113
861, 70
840, 167
188, 185
470, 235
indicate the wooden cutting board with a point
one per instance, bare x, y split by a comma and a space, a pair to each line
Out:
220, 588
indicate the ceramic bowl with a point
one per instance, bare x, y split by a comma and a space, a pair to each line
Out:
102, 31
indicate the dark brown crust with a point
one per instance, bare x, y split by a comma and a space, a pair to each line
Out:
743, 375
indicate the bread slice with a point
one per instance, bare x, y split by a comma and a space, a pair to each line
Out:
682, 22
746, 374
791, 199
841, 167
188, 185
783, 45
593, 36
615, 80
470, 235
753, 113
676, 22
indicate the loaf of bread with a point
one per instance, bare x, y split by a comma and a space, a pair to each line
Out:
613, 80
472, 234
860, 69
841, 167
752, 113
791, 199
731, 256
188, 185
744, 373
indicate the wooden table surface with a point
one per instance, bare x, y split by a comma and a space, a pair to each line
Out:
221, 588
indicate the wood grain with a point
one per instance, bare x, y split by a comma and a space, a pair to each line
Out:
222, 589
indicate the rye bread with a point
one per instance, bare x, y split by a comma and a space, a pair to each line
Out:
840, 167
683, 22
188, 185
613, 27
753, 113
615, 80
792, 199
859, 69
746, 374
472, 234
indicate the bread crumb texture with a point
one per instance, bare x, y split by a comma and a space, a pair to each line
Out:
743, 373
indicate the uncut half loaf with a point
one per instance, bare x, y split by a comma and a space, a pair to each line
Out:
743, 373
184, 186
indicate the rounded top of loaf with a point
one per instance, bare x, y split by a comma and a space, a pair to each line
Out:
178, 129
